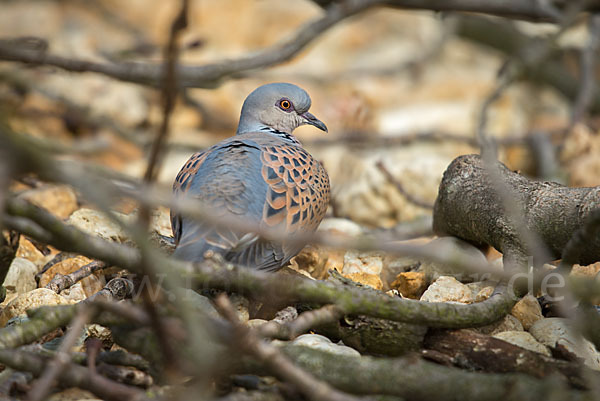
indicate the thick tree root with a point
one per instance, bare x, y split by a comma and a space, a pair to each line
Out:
470, 207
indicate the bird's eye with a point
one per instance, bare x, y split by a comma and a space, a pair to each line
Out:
285, 105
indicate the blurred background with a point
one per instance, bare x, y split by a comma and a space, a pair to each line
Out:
401, 88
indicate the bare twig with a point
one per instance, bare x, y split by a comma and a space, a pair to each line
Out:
206, 76
55, 368
73, 376
548, 11
304, 322
128, 311
511, 70
61, 282
92, 349
413, 378
43, 321
247, 340
169, 96
169, 88
410, 197
247, 280
587, 81
125, 374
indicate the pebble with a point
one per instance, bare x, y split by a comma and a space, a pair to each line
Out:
410, 284
459, 250
96, 223
508, 323
21, 276
448, 289
30, 300
554, 332
364, 268
523, 339
323, 343
60, 200
528, 311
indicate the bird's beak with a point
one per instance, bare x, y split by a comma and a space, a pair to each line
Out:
312, 120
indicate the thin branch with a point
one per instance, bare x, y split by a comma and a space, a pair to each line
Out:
62, 358
587, 85
303, 323
248, 341
169, 96
169, 89
351, 300
530, 10
73, 376
410, 197
206, 76
61, 282
413, 378
44, 321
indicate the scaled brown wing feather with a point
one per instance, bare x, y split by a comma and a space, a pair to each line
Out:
297, 193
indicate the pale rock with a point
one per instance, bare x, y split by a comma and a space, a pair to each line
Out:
27, 250
335, 261
365, 195
323, 343
484, 294
362, 262
586, 271
9, 297
554, 332
508, 323
293, 266
371, 280
161, 222
393, 266
172, 161
364, 268
341, 227
100, 332
448, 289
482, 290
311, 259
528, 311
60, 200
457, 250
73, 394
126, 103
523, 339
21, 276
75, 293
30, 300
96, 223
285, 315
579, 156
254, 323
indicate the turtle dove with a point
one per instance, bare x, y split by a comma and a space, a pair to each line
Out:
262, 175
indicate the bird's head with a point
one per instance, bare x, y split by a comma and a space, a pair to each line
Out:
280, 106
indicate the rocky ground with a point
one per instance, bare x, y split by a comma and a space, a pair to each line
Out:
390, 84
